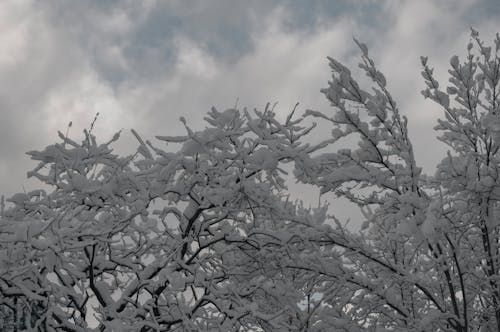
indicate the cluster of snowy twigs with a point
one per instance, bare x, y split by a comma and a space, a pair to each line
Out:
206, 238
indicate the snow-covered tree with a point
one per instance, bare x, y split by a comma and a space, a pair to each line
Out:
203, 236
427, 258
157, 240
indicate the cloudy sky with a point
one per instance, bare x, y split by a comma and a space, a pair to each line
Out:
143, 64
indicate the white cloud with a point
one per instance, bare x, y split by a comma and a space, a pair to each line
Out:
144, 64
34, 60
15, 30
437, 29
193, 61
79, 100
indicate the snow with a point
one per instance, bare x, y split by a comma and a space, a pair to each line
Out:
225, 246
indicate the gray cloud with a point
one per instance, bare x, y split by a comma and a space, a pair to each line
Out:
437, 29
144, 64
32, 63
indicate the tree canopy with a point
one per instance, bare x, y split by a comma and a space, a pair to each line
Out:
207, 238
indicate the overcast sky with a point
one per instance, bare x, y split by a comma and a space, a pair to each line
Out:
143, 64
